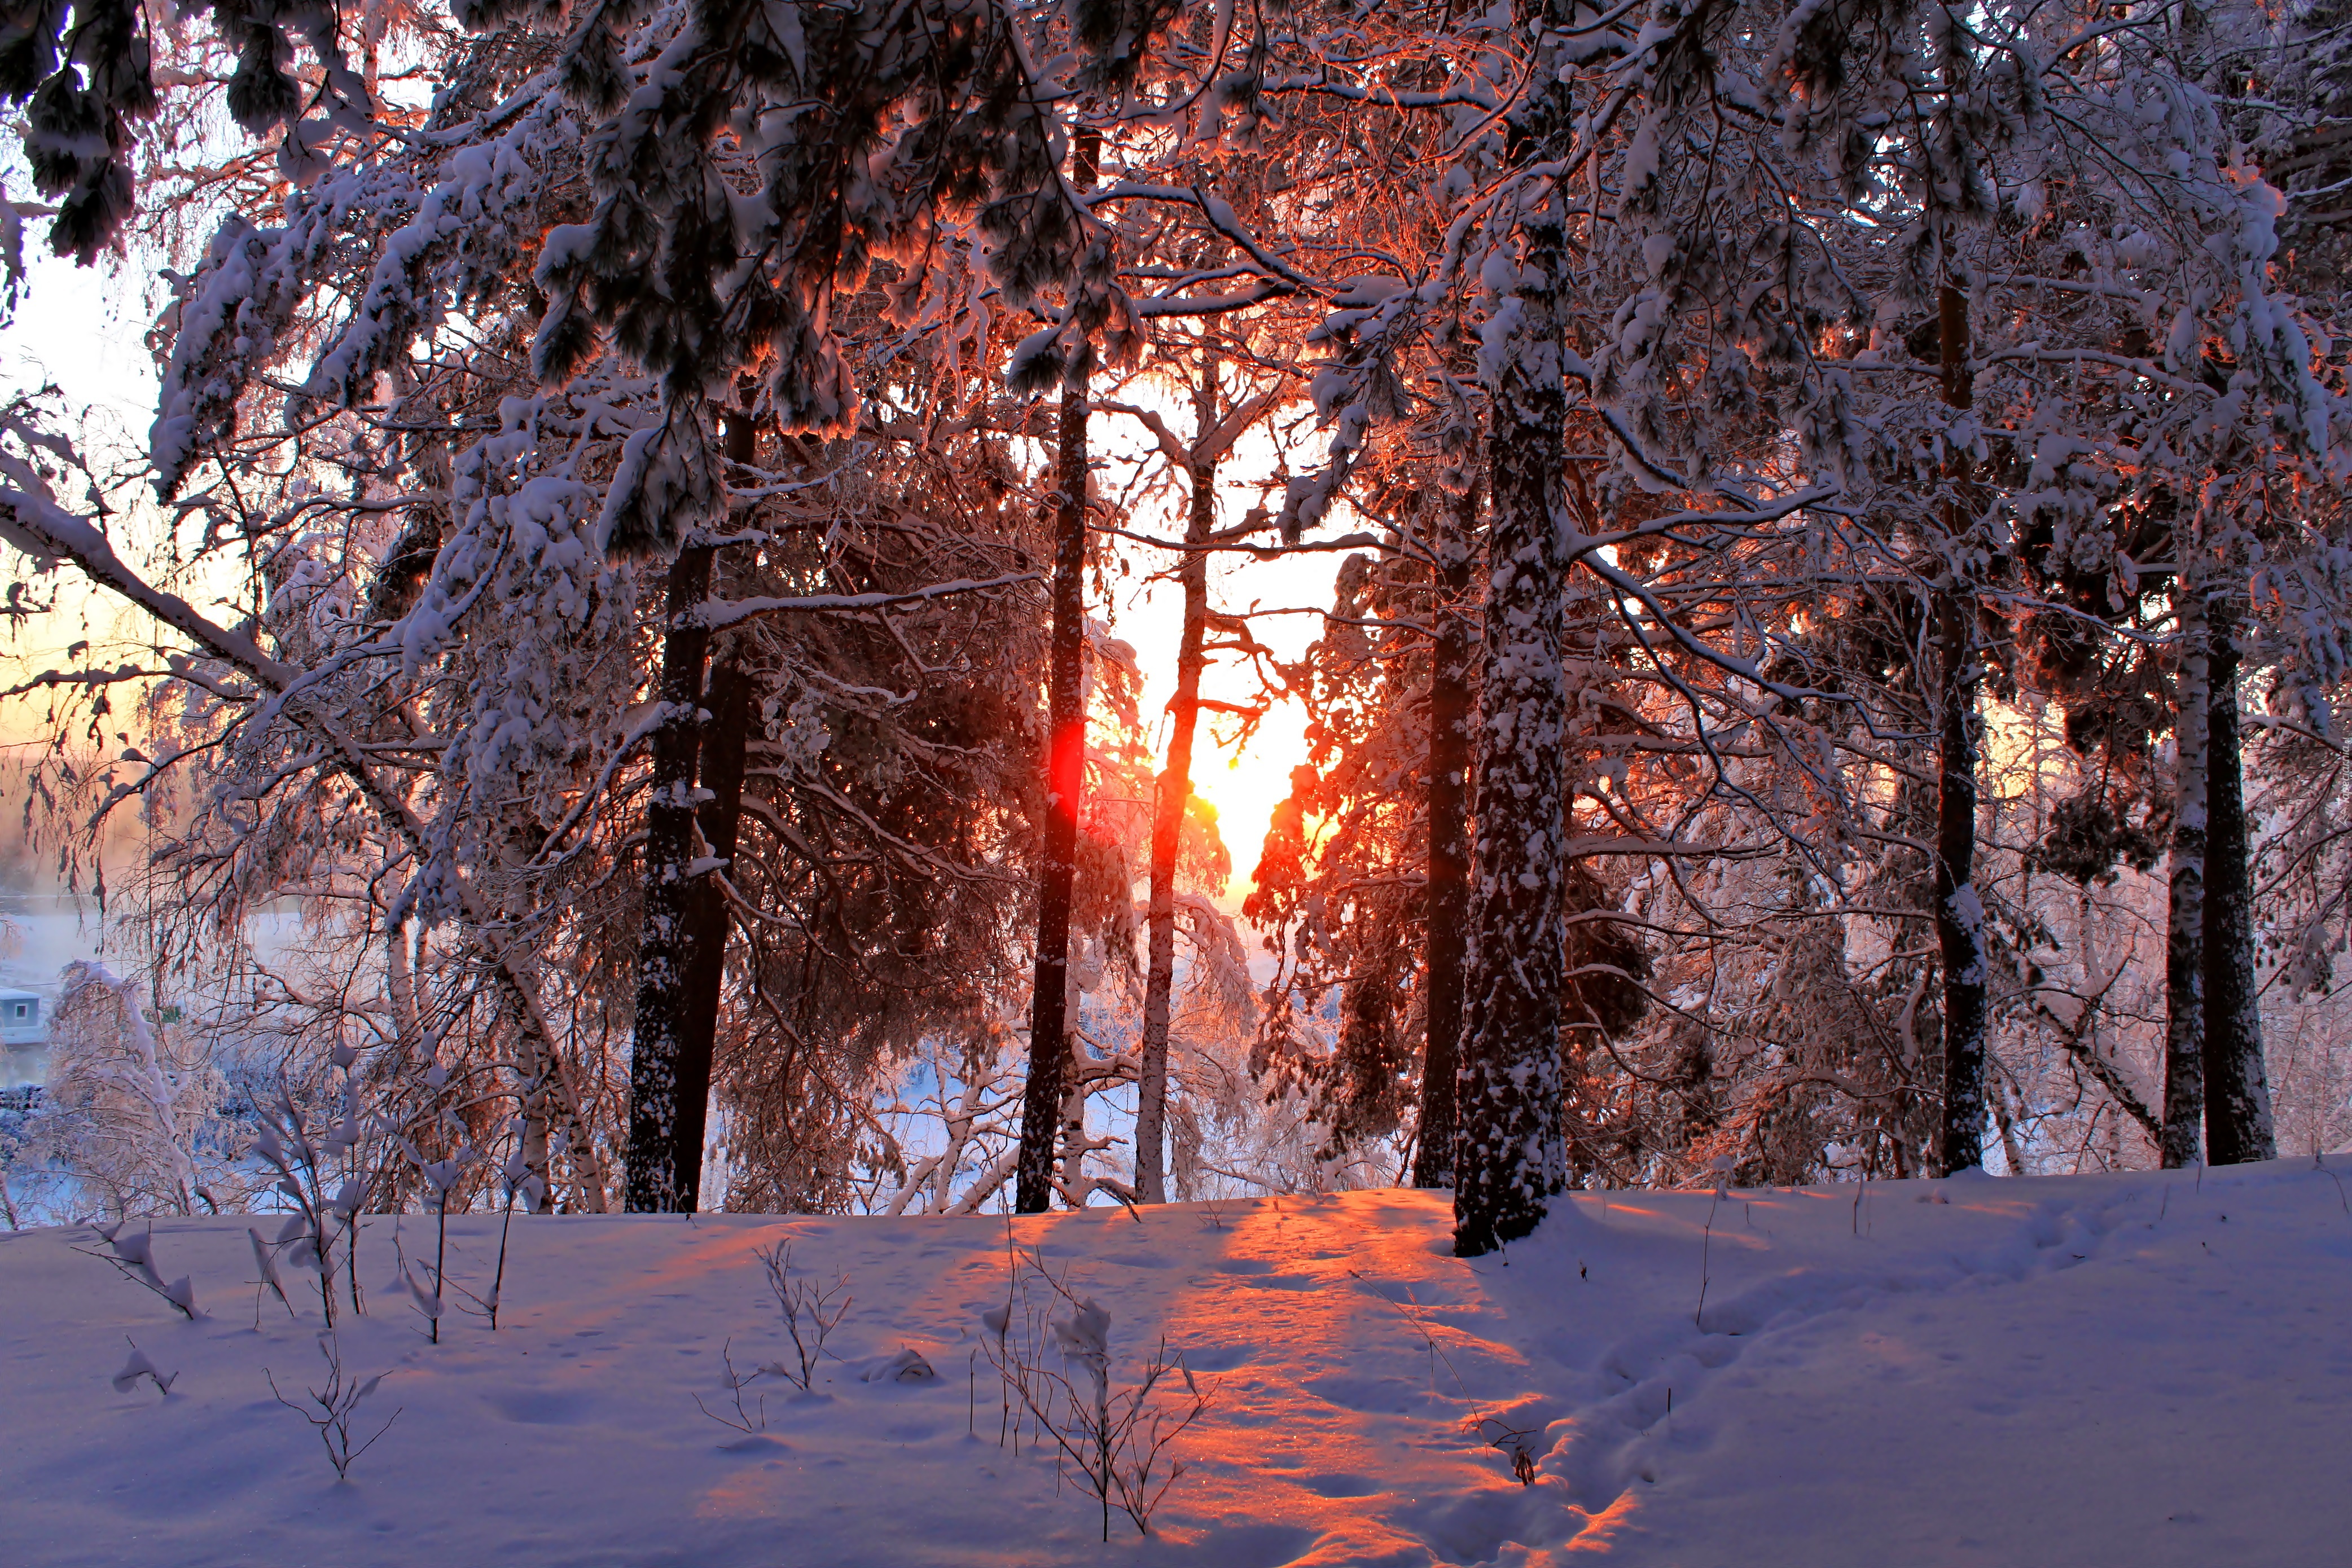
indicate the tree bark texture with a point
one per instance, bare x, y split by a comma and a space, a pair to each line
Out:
1175, 794
2238, 1126
662, 1082
1450, 720
1510, 1153
1959, 911
1049, 1043
2184, 945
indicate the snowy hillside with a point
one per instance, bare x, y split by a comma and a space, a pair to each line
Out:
2135, 1369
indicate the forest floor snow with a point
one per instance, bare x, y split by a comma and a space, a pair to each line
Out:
2136, 1369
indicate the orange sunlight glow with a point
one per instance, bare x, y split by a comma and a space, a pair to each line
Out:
1244, 782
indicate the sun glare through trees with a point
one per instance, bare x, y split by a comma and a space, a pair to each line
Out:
1567, 632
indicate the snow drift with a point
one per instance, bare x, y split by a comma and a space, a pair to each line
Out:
2144, 1369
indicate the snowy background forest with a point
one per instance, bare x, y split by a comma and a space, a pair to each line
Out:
1363, 608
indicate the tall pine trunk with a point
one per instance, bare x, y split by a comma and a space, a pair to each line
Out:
1049, 1043
2184, 945
1511, 1151
718, 812
1043, 1109
682, 947
2238, 1125
667, 1089
1448, 907
1175, 793
1959, 911
718, 775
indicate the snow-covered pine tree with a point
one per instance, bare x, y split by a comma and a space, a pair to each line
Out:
1509, 1150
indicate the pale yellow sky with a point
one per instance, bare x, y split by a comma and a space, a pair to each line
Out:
83, 331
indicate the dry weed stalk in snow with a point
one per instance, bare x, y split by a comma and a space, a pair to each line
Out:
810, 1311
1722, 1166
330, 1409
744, 1421
1518, 1442
1115, 1441
515, 1181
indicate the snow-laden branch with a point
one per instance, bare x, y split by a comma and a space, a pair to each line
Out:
40, 527
719, 613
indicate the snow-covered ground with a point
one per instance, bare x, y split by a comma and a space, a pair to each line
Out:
2137, 1369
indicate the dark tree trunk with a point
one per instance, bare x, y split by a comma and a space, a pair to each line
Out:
1510, 1153
1175, 793
665, 1088
682, 952
728, 701
726, 735
1959, 912
1049, 1044
1450, 719
2184, 945
2237, 1089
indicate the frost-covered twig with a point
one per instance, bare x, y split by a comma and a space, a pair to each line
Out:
139, 1367
269, 1280
133, 1256
440, 1176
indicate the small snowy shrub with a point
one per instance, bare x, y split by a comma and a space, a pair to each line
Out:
1117, 1441
323, 1171
811, 1314
329, 1409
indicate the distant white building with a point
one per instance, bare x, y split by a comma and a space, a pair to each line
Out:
24, 1038
24, 1019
